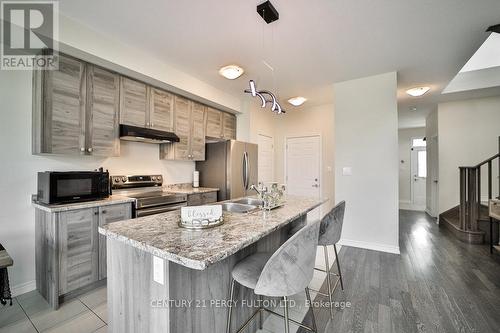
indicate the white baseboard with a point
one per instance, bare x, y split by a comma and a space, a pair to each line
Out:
370, 246
409, 206
23, 288
405, 202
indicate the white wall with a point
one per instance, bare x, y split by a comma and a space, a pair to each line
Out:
468, 134
432, 184
366, 139
405, 177
18, 167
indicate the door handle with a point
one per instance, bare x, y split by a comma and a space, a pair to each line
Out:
244, 174
315, 185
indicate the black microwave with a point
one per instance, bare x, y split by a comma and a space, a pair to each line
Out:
72, 186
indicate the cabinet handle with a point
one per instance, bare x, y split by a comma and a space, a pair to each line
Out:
152, 125
104, 211
96, 213
89, 150
147, 124
82, 149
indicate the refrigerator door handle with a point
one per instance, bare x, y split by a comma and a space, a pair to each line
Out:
245, 170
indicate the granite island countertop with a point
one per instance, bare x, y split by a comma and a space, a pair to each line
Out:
161, 236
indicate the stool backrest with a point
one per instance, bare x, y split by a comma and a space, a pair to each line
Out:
331, 225
290, 269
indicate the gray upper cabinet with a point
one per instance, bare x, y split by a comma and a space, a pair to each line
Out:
134, 102
75, 110
59, 99
110, 214
103, 91
78, 246
189, 125
161, 113
214, 123
228, 126
197, 132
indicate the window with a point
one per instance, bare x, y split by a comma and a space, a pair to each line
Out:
422, 164
418, 142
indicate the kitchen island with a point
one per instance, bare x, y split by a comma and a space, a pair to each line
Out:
163, 278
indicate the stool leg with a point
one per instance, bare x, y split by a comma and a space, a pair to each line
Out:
287, 322
338, 267
308, 295
229, 310
261, 316
328, 280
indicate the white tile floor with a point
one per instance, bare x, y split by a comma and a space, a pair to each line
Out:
30, 313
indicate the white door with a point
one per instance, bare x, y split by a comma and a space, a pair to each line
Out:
419, 177
266, 158
303, 166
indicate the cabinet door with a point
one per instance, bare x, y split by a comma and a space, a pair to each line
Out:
110, 214
182, 129
61, 112
78, 249
214, 123
197, 147
103, 91
133, 102
162, 110
229, 126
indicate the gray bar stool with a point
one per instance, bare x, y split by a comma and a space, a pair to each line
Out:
284, 273
329, 234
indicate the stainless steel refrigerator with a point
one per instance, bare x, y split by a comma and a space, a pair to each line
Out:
230, 166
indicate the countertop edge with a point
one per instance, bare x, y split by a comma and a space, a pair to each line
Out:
82, 205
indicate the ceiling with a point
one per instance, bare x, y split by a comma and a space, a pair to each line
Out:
313, 45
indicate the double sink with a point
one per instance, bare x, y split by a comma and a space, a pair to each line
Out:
244, 205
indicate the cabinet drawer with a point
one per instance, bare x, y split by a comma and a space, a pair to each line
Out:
194, 199
495, 209
209, 198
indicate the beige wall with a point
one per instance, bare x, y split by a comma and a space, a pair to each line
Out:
468, 134
366, 140
405, 178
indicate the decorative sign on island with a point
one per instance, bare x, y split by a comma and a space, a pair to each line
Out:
200, 217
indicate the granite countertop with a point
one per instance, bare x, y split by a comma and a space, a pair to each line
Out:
187, 189
111, 200
161, 236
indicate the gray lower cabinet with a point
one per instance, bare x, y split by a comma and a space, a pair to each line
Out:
70, 253
110, 214
198, 199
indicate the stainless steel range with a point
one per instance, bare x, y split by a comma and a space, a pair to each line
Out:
148, 194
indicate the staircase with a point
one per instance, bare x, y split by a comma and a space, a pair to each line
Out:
469, 221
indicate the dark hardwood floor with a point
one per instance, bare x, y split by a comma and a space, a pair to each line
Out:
437, 284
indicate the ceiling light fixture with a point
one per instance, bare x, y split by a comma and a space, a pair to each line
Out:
231, 72
297, 101
276, 107
418, 91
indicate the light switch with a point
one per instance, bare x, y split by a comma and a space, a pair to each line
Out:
347, 171
158, 270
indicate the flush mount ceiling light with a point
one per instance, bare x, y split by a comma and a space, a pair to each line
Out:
231, 72
297, 101
418, 91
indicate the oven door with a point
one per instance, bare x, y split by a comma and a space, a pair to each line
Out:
158, 209
78, 186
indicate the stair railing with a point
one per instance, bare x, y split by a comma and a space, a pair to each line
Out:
470, 191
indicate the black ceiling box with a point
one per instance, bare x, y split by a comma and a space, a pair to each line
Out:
133, 133
494, 28
268, 12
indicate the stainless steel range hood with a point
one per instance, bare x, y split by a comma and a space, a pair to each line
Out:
148, 135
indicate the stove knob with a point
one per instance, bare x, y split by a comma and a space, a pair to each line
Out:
124, 179
117, 180
154, 178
